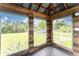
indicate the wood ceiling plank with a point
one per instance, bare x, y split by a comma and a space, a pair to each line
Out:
24, 10
39, 7
47, 8
37, 14
65, 5
53, 8
30, 5
65, 12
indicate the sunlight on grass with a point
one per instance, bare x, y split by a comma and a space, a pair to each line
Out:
64, 39
63, 31
39, 32
13, 42
39, 38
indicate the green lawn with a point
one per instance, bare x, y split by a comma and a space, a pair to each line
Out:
39, 38
15, 42
64, 39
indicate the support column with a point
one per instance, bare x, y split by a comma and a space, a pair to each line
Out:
49, 31
31, 33
76, 35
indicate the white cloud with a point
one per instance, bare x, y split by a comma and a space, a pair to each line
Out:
25, 20
2, 20
5, 18
59, 20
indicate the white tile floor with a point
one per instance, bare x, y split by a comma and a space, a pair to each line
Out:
51, 51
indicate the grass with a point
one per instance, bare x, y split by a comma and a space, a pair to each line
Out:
39, 38
64, 39
15, 42
11, 43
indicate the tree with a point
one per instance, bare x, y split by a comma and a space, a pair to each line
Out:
58, 24
13, 27
41, 24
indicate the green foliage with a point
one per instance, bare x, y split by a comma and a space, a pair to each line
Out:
57, 25
11, 27
61, 26
65, 28
41, 24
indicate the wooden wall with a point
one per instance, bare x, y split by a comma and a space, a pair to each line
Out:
76, 35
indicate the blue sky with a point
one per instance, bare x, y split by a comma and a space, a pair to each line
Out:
14, 17
36, 21
68, 20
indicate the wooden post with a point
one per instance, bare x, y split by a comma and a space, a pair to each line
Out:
76, 36
31, 33
49, 31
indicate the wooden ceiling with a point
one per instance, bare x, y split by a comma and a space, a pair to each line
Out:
47, 8
46, 11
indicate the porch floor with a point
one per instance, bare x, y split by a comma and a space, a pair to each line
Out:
51, 51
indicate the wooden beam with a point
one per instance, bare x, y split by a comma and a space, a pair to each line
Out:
57, 6
65, 5
23, 10
53, 8
65, 12
38, 6
31, 33
49, 31
76, 18
30, 5
47, 8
